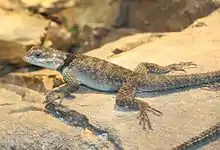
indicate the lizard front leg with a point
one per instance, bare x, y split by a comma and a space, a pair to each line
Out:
126, 98
152, 68
61, 92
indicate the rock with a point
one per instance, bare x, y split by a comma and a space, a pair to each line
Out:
40, 81
25, 125
13, 40
8, 5
48, 5
126, 44
90, 39
89, 17
161, 16
167, 16
22, 22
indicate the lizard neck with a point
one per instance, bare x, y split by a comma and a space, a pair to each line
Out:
67, 61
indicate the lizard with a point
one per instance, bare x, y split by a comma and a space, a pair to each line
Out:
98, 74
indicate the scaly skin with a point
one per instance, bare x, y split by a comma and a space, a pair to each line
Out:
102, 75
205, 135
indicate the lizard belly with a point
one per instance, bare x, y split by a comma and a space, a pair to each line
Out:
95, 82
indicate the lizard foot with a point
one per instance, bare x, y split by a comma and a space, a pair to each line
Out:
53, 96
143, 116
181, 66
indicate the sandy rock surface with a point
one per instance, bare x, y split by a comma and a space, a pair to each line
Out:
24, 125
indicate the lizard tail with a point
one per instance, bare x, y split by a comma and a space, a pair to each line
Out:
207, 136
178, 81
168, 82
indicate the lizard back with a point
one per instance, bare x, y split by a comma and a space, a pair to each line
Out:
106, 76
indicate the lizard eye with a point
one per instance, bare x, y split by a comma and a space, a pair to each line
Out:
38, 54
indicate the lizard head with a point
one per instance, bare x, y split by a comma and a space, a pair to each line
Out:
45, 57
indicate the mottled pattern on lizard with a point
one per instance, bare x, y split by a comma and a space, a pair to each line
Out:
205, 135
102, 75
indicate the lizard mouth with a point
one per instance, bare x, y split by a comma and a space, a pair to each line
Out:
26, 59
29, 60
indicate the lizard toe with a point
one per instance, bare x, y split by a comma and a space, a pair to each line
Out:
143, 119
186, 64
143, 115
52, 97
181, 66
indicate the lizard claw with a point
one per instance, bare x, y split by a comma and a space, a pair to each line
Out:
184, 64
180, 66
53, 96
143, 116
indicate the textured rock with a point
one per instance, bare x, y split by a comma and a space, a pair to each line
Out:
24, 125
40, 81
163, 16
15, 22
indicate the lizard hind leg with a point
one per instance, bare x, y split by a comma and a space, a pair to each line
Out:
152, 68
125, 98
